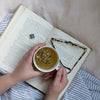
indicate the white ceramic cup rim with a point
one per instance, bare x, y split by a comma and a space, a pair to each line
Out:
46, 70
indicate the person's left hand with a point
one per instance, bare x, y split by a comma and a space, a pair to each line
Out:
57, 85
24, 70
50, 75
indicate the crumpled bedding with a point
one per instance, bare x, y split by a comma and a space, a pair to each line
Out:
79, 18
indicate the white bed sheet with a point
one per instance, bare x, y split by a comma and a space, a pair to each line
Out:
79, 18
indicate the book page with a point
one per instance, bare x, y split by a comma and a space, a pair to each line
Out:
18, 42
68, 53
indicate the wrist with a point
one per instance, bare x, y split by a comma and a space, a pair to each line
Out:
51, 97
14, 79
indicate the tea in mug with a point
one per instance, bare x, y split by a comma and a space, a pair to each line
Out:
46, 58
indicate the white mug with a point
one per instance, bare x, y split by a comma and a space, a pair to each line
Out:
46, 70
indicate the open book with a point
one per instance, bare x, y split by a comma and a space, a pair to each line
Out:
15, 42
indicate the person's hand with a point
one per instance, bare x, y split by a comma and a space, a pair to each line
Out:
57, 85
49, 75
24, 70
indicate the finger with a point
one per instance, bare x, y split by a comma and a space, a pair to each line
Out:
64, 79
58, 76
50, 73
37, 73
47, 74
33, 49
37, 47
48, 77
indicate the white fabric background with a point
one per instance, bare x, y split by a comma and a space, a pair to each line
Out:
80, 18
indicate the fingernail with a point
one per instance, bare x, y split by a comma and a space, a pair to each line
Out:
60, 69
65, 71
64, 68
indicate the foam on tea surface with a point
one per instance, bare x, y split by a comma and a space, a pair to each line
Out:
46, 58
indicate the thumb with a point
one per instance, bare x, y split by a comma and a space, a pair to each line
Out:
37, 47
58, 76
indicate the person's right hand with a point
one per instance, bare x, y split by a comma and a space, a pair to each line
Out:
25, 70
57, 85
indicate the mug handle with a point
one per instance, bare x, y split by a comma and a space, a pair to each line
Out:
58, 65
